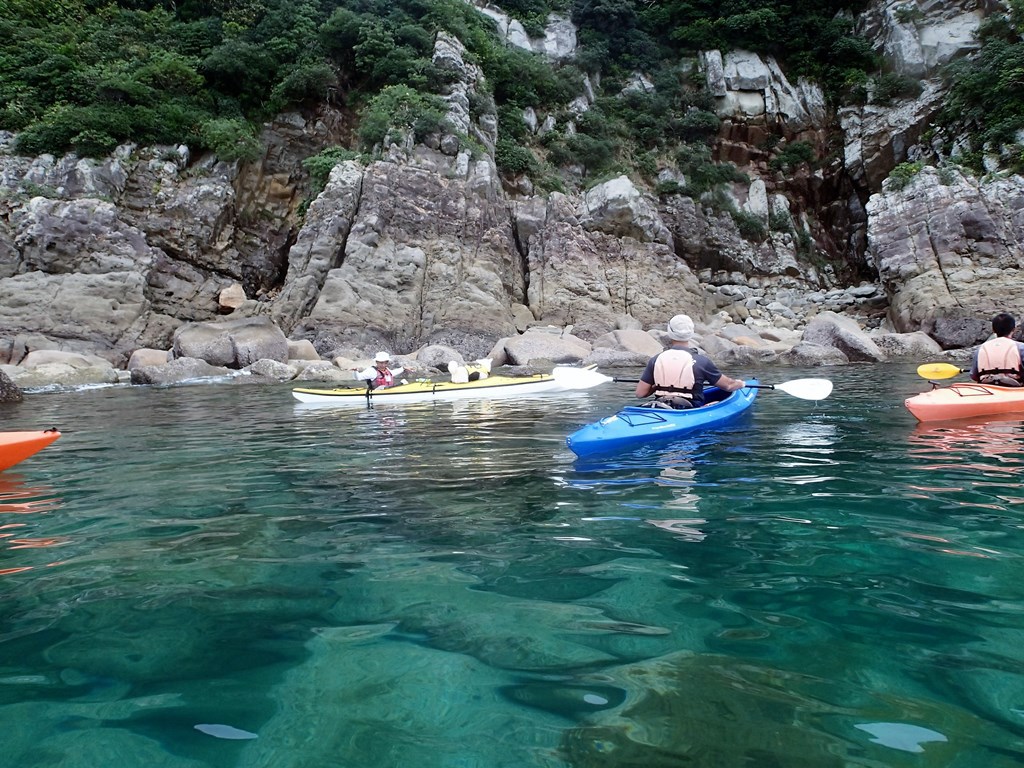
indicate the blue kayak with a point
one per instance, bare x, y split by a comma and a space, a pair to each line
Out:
635, 425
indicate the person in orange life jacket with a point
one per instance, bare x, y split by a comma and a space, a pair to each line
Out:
379, 375
998, 360
676, 376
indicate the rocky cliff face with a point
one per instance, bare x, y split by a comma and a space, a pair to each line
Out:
949, 253
426, 244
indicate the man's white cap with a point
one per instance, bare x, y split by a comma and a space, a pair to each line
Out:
680, 328
382, 357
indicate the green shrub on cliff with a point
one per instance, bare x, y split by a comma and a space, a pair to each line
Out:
702, 173
513, 159
903, 174
231, 140
986, 94
320, 165
306, 82
399, 109
891, 85
750, 226
792, 155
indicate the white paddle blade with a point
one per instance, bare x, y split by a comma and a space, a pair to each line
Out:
807, 389
578, 378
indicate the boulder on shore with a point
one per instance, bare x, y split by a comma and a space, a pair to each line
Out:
232, 343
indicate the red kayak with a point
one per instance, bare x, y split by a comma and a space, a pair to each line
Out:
18, 446
964, 401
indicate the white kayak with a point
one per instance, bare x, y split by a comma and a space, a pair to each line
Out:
561, 379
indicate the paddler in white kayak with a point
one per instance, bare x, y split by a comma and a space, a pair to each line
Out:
380, 374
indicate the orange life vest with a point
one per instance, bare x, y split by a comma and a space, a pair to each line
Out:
673, 374
999, 355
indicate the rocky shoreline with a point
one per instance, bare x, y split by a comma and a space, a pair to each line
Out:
256, 350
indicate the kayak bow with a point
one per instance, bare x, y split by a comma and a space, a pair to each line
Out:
18, 446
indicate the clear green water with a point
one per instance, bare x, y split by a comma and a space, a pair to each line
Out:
442, 585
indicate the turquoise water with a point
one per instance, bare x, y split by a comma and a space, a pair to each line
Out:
218, 576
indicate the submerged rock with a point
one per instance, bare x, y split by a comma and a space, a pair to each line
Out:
9, 392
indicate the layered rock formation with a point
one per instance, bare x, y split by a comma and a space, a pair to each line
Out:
426, 244
950, 253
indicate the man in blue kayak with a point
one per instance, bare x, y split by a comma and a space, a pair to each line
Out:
380, 374
998, 360
676, 377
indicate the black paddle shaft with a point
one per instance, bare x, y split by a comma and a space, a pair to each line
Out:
748, 386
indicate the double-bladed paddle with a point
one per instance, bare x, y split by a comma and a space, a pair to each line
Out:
938, 371
805, 389
578, 378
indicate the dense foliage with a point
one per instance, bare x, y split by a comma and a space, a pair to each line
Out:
986, 96
86, 75
815, 39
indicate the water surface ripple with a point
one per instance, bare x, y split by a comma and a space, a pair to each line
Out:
220, 576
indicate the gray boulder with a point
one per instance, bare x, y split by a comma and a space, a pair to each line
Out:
625, 348
55, 368
607, 357
438, 356
302, 349
741, 355
144, 356
632, 340
41, 357
534, 345
322, 370
808, 354
917, 344
842, 333
61, 375
177, 371
957, 330
232, 343
272, 369
618, 207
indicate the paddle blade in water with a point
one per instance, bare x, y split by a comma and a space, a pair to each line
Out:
938, 371
807, 389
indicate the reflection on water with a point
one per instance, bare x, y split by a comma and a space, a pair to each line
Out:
21, 504
814, 438
998, 439
234, 580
